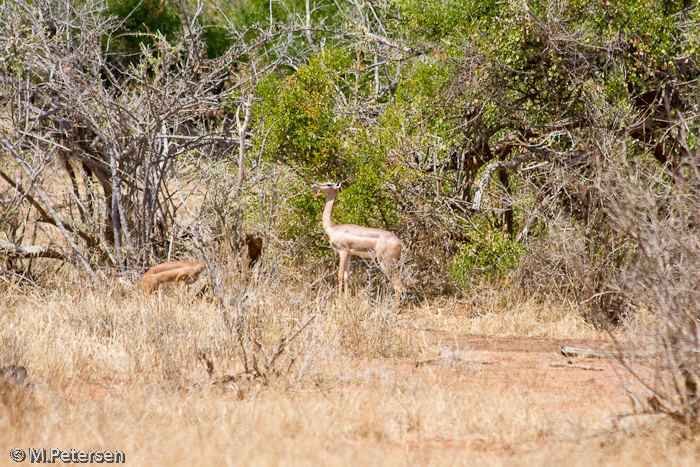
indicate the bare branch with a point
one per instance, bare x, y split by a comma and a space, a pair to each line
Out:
537, 155
52, 212
34, 251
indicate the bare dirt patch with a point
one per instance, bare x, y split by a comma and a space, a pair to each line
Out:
571, 384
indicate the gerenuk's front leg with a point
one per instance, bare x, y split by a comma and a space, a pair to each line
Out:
342, 273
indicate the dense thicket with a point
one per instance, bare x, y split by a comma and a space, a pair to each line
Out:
551, 145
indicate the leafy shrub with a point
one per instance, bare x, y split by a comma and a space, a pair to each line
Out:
490, 255
303, 125
141, 20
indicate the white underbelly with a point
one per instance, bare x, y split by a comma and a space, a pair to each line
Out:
362, 253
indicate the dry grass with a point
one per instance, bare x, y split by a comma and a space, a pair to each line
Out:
495, 312
113, 369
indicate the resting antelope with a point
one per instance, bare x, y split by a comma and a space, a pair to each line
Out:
350, 239
166, 274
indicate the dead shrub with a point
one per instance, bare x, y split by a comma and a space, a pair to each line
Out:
658, 209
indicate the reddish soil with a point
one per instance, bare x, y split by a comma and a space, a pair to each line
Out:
572, 384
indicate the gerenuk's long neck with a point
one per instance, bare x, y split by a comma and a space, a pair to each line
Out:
328, 211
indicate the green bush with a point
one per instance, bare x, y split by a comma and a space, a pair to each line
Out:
302, 123
140, 20
490, 255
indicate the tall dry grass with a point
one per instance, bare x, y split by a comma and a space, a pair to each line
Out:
500, 311
73, 332
114, 369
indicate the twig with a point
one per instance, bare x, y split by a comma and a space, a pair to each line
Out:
576, 367
33, 251
576, 352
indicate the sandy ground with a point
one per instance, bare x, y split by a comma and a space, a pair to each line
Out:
571, 383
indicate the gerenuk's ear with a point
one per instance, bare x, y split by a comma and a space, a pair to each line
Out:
337, 186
